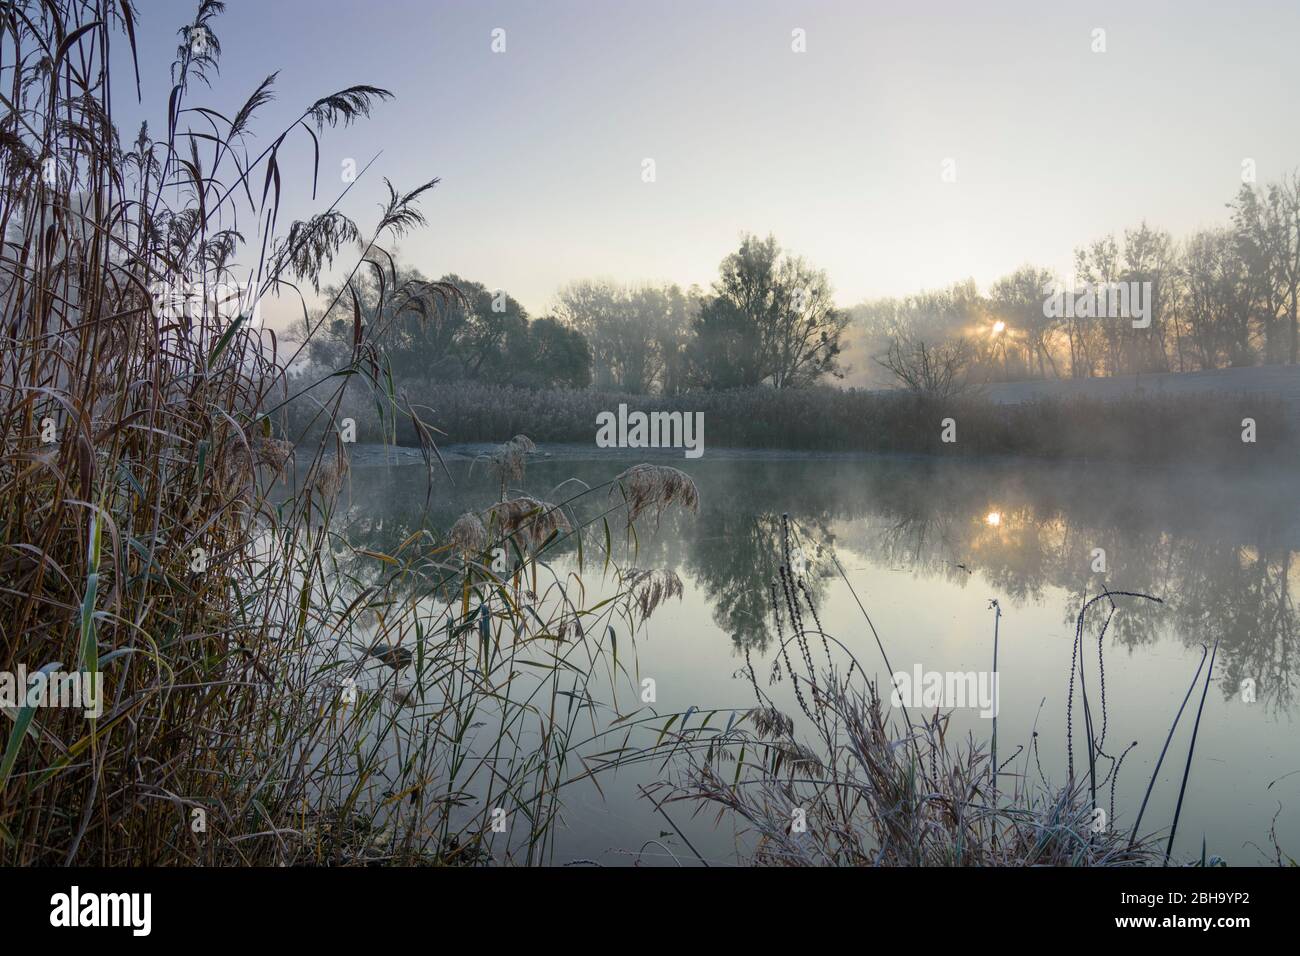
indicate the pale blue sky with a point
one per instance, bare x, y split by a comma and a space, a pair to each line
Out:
837, 151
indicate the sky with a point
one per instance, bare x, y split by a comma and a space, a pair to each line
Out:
840, 150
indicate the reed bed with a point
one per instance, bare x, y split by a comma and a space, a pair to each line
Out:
1143, 429
272, 692
853, 782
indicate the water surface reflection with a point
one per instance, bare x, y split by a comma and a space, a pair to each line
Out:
928, 542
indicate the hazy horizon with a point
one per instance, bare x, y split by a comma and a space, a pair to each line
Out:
837, 151
950, 524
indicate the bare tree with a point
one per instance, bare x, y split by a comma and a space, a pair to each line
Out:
1216, 300
1018, 300
932, 371
1267, 228
635, 332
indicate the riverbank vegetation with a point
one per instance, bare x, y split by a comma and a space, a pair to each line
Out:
1143, 303
275, 691
264, 701
865, 785
1141, 429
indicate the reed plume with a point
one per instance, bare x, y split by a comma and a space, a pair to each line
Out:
527, 520
651, 588
468, 535
649, 486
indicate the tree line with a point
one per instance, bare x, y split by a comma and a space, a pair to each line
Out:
769, 318
1223, 297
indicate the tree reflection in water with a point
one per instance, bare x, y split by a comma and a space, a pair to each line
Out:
1219, 548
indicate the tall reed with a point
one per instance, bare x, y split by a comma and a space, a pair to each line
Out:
272, 692
848, 784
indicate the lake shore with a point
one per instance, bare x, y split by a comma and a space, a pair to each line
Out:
1233, 430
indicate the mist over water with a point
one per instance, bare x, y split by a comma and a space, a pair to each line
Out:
925, 545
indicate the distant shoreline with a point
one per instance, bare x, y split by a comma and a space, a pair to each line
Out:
1173, 424
374, 455
1280, 382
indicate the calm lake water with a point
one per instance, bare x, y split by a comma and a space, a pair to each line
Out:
926, 545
